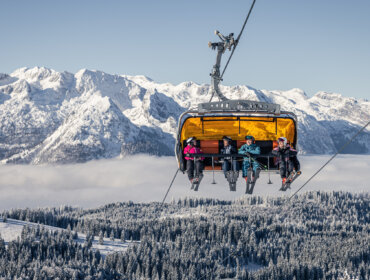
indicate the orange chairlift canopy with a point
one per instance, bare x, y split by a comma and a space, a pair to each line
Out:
237, 127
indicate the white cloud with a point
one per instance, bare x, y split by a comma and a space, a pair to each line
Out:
144, 178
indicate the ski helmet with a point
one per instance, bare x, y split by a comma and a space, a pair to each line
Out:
249, 137
190, 139
284, 140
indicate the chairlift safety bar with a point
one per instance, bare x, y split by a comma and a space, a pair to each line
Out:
229, 155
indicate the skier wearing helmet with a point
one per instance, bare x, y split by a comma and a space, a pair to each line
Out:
192, 164
251, 150
287, 159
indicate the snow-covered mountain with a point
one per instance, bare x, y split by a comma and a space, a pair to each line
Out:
59, 117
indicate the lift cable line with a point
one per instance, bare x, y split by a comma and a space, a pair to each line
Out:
168, 190
191, 122
339, 151
236, 252
237, 39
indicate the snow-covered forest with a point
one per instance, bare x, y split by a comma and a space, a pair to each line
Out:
316, 235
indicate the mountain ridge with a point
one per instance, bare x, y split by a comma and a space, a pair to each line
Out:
60, 117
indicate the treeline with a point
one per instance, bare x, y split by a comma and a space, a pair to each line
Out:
42, 254
317, 235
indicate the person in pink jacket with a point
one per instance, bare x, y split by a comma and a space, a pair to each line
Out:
191, 164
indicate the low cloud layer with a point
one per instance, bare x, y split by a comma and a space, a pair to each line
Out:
145, 178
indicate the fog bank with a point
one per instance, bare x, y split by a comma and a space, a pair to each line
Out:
145, 178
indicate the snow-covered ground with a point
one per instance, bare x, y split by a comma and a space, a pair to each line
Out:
145, 178
12, 229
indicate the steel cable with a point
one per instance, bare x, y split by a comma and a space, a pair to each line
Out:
235, 253
237, 39
322, 167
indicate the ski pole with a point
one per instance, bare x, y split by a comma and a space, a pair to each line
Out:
213, 170
268, 169
261, 165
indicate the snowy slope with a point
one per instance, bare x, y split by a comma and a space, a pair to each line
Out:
12, 229
59, 117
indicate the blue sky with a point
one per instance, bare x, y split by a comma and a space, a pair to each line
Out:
313, 45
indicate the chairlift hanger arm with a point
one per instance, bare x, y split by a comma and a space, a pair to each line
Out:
227, 42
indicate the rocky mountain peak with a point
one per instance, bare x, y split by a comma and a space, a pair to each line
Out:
49, 116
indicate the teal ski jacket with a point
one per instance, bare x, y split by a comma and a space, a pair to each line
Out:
252, 149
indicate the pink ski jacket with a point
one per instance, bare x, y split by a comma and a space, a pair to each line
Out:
192, 150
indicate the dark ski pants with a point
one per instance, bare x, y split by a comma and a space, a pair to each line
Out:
226, 165
246, 166
296, 164
286, 167
190, 168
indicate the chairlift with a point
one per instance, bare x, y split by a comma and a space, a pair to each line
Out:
235, 118
210, 121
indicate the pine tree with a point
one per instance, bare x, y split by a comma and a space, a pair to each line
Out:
101, 238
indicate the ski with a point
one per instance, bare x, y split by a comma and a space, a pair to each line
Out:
249, 189
232, 187
196, 182
291, 178
253, 183
252, 179
296, 175
286, 185
232, 177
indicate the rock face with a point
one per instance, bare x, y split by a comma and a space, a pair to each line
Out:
52, 117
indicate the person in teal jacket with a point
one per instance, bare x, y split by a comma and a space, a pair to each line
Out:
251, 150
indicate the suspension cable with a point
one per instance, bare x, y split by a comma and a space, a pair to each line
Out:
339, 151
236, 253
237, 39
168, 190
